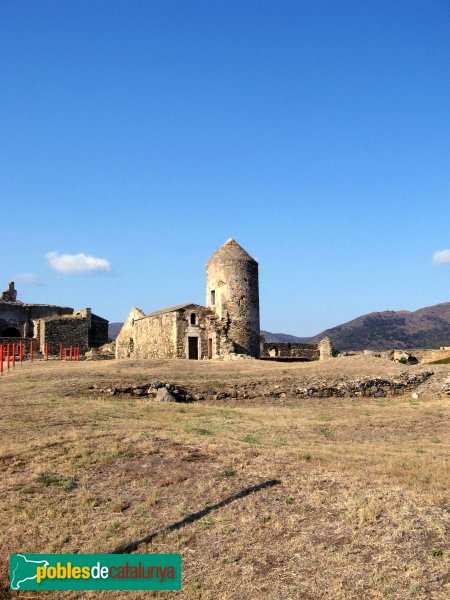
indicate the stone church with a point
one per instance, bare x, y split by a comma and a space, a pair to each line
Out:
227, 327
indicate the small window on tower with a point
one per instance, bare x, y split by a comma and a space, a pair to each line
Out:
193, 319
213, 297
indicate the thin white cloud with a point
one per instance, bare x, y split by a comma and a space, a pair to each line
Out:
77, 263
442, 257
31, 278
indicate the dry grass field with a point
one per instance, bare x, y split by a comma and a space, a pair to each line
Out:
359, 509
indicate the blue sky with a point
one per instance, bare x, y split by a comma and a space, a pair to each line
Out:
314, 132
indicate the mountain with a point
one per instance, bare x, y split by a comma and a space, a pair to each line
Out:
113, 330
424, 328
280, 337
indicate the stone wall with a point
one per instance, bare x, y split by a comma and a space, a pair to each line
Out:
155, 336
68, 331
125, 339
426, 356
290, 350
98, 332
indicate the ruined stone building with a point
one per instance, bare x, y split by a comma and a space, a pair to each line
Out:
227, 327
47, 323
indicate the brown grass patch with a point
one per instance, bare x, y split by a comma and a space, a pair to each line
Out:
361, 506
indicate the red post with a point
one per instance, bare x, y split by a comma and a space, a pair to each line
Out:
8, 357
65, 353
71, 352
1, 359
31, 350
60, 352
46, 351
21, 351
14, 355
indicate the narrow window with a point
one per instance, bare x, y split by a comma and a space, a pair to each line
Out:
193, 319
213, 297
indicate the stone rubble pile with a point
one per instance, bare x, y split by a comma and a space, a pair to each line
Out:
107, 351
446, 386
165, 392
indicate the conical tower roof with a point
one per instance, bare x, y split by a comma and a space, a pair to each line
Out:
231, 251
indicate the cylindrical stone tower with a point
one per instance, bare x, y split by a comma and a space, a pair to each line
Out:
232, 290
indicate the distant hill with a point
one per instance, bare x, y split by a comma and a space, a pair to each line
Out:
113, 330
424, 328
280, 337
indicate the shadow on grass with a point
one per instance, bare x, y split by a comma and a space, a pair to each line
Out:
132, 546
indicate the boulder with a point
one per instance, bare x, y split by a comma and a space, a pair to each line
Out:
164, 395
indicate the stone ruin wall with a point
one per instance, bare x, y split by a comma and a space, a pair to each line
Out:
293, 350
155, 337
290, 350
68, 331
425, 356
98, 332
125, 338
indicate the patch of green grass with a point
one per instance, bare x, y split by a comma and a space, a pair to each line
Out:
67, 483
228, 473
326, 432
437, 551
70, 484
249, 439
442, 361
114, 527
289, 499
91, 502
324, 418
203, 431
206, 523
280, 442
48, 479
